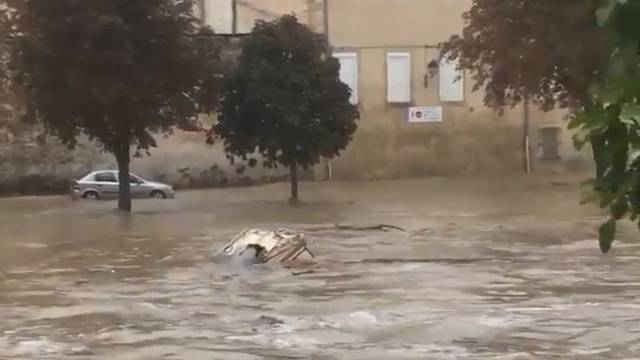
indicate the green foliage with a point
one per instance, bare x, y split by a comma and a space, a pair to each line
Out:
611, 121
284, 101
606, 234
578, 54
114, 70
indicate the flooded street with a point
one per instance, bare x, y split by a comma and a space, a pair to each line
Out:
487, 269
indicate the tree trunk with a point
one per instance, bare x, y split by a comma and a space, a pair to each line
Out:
598, 142
597, 148
293, 169
124, 190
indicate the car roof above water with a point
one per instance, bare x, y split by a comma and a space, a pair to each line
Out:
93, 173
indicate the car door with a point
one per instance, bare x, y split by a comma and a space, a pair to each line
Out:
138, 186
106, 183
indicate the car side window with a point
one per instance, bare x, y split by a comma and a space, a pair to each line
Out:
105, 177
134, 179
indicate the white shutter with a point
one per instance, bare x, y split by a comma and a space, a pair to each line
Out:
399, 77
197, 9
349, 72
218, 14
451, 81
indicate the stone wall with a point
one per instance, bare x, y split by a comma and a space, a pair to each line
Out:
471, 139
32, 166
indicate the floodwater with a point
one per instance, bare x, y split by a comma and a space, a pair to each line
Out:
486, 269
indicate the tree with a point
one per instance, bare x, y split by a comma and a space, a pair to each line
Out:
284, 100
546, 50
613, 117
584, 55
114, 70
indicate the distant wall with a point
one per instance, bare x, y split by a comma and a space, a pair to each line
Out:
183, 160
471, 139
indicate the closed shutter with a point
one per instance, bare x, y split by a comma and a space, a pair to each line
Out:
349, 72
451, 81
219, 15
399, 77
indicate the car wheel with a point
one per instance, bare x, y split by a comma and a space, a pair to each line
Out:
91, 195
157, 194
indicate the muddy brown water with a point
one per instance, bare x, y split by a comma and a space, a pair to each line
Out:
487, 269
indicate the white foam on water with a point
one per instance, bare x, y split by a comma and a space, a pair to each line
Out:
508, 320
442, 351
514, 356
281, 341
589, 351
41, 348
32, 245
354, 321
362, 319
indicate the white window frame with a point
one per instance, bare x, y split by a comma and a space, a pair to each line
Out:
404, 95
354, 82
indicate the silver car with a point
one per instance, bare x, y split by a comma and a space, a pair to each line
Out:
104, 185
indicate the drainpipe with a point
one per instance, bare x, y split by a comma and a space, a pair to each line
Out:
234, 17
325, 18
203, 12
526, 136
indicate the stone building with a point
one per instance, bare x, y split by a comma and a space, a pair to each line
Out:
419, 115
417, 118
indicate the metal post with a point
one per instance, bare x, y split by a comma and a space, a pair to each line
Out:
526, 135
203, 12
234, 16
325, 19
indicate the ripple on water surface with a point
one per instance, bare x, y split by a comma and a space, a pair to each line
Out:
484, 288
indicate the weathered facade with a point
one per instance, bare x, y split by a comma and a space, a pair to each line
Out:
388, 53
398, 67
388, 50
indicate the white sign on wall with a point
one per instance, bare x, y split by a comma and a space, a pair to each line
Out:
425, 114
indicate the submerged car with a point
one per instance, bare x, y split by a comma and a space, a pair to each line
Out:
104, 184
256, 246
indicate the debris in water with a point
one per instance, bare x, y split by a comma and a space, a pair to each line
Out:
379, 227
303, 272
256, 246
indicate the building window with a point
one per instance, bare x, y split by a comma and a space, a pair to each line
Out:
349, 72
219, 15
398, 77
451, 81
